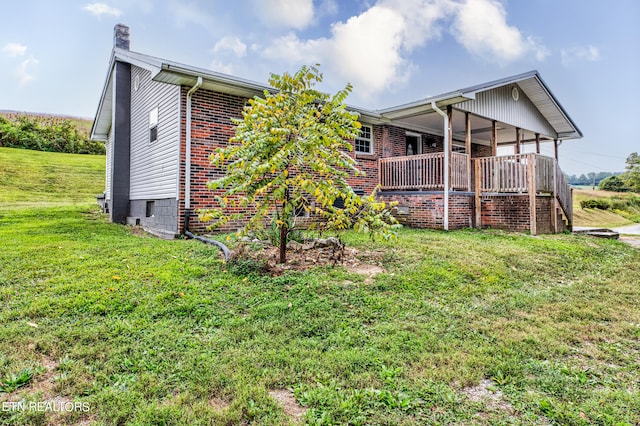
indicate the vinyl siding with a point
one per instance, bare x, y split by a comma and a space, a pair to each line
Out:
154, 166
109, 161
499, 105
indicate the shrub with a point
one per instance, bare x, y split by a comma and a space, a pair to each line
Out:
46, 134
601, 204
613, 183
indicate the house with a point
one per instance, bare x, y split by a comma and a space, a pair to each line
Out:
437, 157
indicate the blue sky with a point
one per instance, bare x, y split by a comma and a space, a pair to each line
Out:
54, 55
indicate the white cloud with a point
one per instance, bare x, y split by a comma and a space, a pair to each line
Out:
423, 18
99, 9
291, 49
587, 53
481, 27
372, 50
14, 49
366, 48
296, 14
23, 70
220, 67
230, 44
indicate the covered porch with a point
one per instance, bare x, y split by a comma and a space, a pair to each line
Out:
536, 177
491, 153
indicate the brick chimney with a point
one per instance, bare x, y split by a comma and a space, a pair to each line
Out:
121, 36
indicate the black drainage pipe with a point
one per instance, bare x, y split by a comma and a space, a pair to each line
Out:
224, 249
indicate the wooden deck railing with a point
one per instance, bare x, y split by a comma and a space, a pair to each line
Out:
512, 173
503, 174
564, 193
422, 172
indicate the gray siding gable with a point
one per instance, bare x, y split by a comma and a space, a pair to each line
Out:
109, 164
499, 105
154, 165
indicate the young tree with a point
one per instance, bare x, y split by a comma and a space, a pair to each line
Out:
631, 176
290, 152
613, 183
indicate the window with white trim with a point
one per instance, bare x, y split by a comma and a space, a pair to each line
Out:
364, 142
153, 125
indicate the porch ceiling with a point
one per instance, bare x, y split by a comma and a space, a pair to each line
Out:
421, 116
480, 128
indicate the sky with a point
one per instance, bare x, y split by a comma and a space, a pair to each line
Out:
54, 55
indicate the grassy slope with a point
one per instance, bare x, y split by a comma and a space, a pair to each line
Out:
596, 217
163, 332
31, 178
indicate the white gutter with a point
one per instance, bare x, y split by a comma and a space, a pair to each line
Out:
446, 163
187, 171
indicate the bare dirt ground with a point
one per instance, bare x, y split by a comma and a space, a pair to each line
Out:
302, 256
290, 406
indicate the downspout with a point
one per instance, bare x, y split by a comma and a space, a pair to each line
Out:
187, 179
446, 163
187, 170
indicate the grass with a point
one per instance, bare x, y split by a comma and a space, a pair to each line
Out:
34, 178
152, 331
148, 331
604, 218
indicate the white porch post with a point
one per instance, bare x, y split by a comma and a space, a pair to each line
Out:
467, 146
445, 118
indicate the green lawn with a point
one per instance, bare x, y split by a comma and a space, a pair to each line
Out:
163, 332
34, 178
466, 327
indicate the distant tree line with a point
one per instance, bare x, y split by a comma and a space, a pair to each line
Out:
590, 178
627, 181
54, 134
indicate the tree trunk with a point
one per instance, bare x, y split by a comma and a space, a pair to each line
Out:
284, 230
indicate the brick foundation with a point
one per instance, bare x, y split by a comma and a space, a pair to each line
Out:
422, 209
425, 209
511, 212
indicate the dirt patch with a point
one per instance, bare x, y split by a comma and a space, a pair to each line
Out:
486, 393
306, 255
287, 401
367, 270
43, 383
219, 404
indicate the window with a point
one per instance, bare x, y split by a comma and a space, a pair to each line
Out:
339, 202
153, 125
150, 209
363, 142
459, 148
414, 143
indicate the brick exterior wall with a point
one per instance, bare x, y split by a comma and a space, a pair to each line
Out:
478, 151
426, 209
211, 116
212, 127
505, 211
511, 212
500, 211
544, 215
